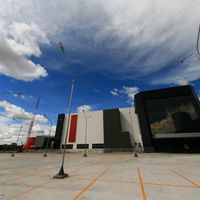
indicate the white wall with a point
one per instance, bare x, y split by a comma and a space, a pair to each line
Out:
95, 128
95, 133
126, 116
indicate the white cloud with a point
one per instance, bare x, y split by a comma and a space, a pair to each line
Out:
9, 130
86, 108
182, 82
114, 92
25, 38
17, 66
14, 111
130, 92
130, 38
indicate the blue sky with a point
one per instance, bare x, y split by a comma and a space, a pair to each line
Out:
113, 48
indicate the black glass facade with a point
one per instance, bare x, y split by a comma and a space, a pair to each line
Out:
173, 117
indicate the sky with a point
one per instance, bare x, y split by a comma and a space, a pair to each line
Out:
114, 49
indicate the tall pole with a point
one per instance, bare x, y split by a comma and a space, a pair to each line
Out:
135, 143
197, 45
19, 134
32, 120
197, 49
45, 154
61, 173
85, 155
20, 129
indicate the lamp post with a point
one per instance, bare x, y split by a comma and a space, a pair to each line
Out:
134, 149
20, 129
61, 173
194, 52
51, 124
12, 155
33, 118
85, 155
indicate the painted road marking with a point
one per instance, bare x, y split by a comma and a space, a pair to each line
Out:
136, 182
38, 186
27, 191
91, 183
193, 183
142, 185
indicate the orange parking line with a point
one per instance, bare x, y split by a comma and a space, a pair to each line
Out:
170, 185
26, 175
136, 182
91, 183
34, 187
185, 178
117, 181
142, 185
27, 191
32, 173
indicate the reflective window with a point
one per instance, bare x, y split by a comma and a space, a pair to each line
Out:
170, 116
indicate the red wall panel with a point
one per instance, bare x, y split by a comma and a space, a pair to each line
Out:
73, 127
29, 143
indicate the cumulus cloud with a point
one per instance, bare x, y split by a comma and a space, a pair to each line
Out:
9, 130
17, 66
85, 108
14, 111
130, 92
25, 39
130, 38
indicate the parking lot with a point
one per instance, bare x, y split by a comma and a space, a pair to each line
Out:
100, 176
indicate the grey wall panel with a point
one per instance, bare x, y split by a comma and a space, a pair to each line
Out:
59, 130
113, 137
111, 119
39, 141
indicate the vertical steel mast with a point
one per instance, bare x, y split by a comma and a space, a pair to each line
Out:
33, 118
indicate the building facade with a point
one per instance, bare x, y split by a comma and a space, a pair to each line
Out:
162, 120
104, 129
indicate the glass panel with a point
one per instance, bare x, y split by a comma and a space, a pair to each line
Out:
171, 116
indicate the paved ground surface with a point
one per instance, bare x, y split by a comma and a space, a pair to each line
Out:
113, 176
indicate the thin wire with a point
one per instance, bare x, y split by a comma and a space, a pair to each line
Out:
197, 45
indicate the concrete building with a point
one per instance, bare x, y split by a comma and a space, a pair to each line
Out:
162, 120
110, 129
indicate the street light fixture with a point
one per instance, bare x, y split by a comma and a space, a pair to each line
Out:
61, 173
